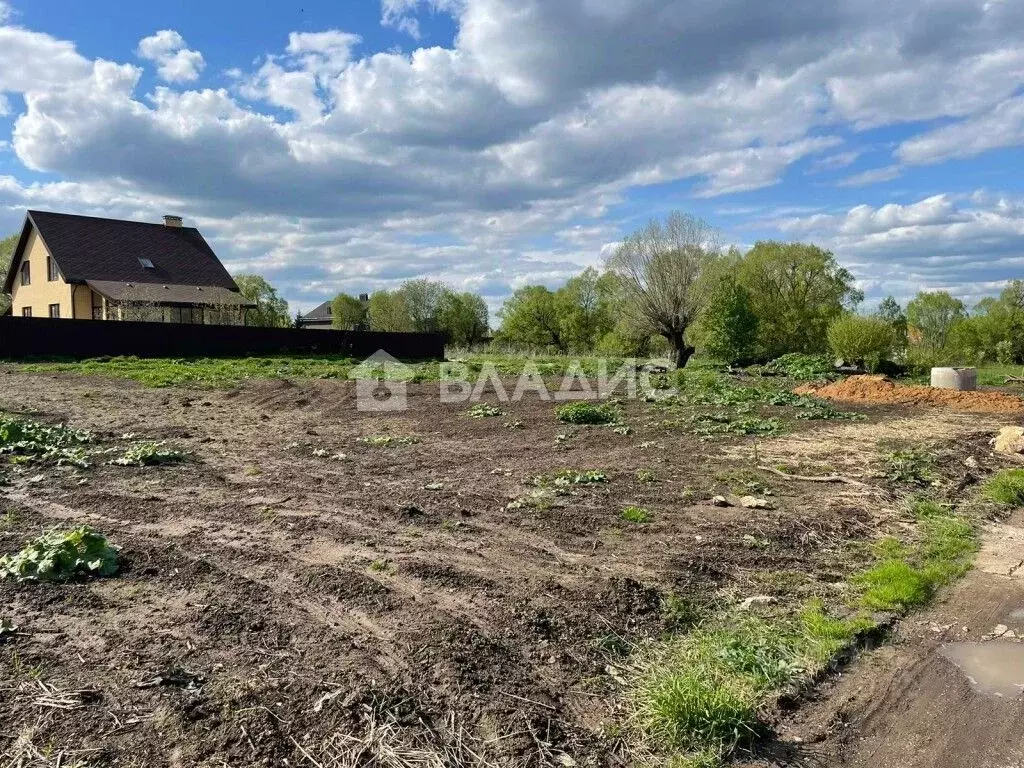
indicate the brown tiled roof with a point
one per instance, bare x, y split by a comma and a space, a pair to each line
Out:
89, 248
152, 293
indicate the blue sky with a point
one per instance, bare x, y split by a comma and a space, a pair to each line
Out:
496, 143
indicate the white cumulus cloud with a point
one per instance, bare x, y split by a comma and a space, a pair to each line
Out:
176, 63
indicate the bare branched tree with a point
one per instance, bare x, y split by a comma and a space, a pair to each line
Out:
659, 269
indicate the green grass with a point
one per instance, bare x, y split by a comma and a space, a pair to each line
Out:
906, 577
228, 372
697, 695
1006, 487
636, 515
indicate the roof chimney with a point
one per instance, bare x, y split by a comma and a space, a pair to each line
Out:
172, 221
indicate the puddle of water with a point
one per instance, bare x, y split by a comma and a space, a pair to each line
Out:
994, 668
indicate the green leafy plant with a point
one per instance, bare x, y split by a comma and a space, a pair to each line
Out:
646, 476
62, 556
584, 412
1006, 487
33, 441
564, 477
483, 411
797, 365
636, 515
909, 465
148, 454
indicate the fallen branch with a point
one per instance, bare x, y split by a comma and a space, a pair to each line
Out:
1014, 380
815, 478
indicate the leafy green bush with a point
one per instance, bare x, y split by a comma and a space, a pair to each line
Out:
43, 442
1007, 488
148, 454
584, 412
865, 341
62, 556
797, 365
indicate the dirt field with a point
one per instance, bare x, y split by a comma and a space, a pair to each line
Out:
283, 605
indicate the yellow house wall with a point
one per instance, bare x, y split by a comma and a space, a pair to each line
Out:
42, 292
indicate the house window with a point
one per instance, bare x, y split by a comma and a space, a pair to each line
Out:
26, 273
26, 311
55, 310
52, 273
147, 263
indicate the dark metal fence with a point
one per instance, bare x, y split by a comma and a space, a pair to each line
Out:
38, 337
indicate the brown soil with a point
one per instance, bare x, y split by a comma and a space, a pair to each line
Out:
276, 605
879, 389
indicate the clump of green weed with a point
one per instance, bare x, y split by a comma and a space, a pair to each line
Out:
386, 440
382, 565
678, 613
646, 476
148, 454
33, 441
584, 412
909, 465
483, 411
62, 556
633, 514
566, 477
540, 499
1006, 487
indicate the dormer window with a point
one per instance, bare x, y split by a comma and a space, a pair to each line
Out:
147, 263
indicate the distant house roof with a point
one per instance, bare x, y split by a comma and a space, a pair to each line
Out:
322, 312
114, 251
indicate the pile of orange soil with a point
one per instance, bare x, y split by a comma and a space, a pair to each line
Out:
879, 389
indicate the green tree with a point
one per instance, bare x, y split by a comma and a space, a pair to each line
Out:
796, 291
348, 313
463, 317
423, 300
387, 311
933, 315
271, 311
728, 328
659, 270
890, 311
530, 317
585, 306
7, 246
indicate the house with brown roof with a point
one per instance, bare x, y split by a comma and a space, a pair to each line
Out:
83, 267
